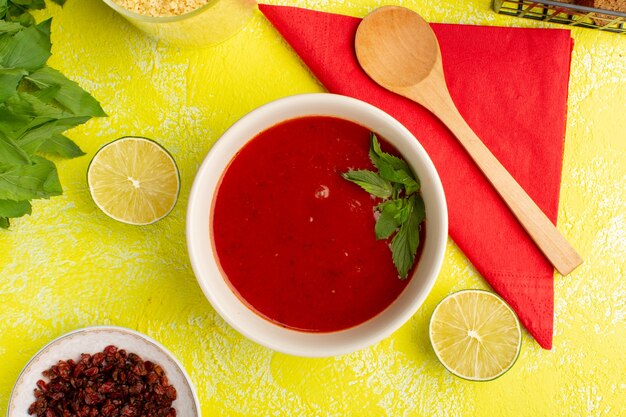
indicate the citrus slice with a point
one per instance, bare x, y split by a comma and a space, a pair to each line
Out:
475, 335
134, 180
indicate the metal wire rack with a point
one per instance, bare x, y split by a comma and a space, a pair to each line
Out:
564, 13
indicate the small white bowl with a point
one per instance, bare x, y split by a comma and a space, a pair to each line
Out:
202, 253
92, 340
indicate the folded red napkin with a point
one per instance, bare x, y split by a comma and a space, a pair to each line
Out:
510, 84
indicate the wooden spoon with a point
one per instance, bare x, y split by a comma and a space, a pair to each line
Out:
399, 50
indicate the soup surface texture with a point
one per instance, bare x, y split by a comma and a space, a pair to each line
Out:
295, 240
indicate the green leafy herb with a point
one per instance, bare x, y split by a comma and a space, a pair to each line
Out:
37, 104
392, 214
9, 80
402, 210
10, 208
28, 49
29, 181
65, 92
370, 182
393, 168
60, 145
18, 10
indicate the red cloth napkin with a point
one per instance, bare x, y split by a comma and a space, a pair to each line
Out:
510, 84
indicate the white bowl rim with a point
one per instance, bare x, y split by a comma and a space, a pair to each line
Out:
241, 317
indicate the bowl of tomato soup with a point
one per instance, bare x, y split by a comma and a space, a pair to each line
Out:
284, 247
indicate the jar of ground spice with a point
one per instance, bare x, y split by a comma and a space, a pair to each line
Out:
186, 23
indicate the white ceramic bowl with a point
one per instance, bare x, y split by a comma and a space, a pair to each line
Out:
95, 339
202, 254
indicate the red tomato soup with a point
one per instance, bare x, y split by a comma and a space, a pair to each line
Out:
295, 240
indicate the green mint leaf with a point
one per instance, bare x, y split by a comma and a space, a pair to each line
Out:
370, 182
20, 105
391, 167
27, 182
411, 186
32, 140
402, 210
28, 49
37, 104
24, 19
395, 163
65, 92
387, 222
30, 122
377, 154
11, 153
10, 208
25, 104
8, 28
46, 94
3, 11
18, 14
401, 253
9, 79
405, 243
416, 216
419, 211
401, 176
30, 4
12, 124
59, 145
375, 151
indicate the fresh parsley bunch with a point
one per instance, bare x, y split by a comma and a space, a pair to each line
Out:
402, 210
37, 104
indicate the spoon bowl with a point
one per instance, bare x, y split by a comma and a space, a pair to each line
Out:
408, 34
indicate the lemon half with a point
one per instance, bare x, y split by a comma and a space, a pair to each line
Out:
134, 180
475, 335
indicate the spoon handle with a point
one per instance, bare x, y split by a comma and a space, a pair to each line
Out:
543, 232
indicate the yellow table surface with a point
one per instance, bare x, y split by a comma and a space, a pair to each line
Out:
69, 266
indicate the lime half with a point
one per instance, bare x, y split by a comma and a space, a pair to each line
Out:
134, 180
475, 335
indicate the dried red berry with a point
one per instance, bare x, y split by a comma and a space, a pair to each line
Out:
97, 359
139, 369
110, 350
136, 388
151, 378
111, 383
63, 369
41, 384
78, 369
170, 392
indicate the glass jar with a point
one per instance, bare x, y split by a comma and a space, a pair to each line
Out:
205, 26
